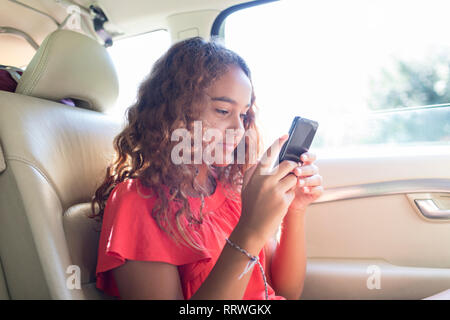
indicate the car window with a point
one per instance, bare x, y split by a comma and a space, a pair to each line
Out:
372, 73
133, 58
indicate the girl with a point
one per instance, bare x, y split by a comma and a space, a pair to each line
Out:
191, 223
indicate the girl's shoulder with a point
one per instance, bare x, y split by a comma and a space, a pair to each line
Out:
133, 188
129, 201
132, 192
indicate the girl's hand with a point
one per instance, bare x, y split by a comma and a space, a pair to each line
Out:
309, 183
267, 194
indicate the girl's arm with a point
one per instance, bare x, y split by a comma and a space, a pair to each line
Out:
158, 280
145, 280
288, 267
222, 283
285, 268
288, 259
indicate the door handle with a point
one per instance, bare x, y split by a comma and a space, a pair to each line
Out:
430, 210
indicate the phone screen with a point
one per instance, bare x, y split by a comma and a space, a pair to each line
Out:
301, 135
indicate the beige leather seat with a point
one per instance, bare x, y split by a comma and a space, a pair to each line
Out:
55, 156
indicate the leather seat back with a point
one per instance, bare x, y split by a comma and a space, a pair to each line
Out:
55, 157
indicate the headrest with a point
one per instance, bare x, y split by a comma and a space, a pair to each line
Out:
69, 64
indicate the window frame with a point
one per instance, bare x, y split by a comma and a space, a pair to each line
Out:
217, 29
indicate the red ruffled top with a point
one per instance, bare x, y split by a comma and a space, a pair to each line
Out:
130, 232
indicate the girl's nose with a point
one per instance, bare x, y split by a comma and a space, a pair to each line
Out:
238, 123
235, 130
238, 128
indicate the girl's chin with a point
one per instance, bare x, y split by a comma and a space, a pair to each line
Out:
225, 162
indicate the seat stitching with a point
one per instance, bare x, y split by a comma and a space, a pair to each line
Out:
34, 166
38, 70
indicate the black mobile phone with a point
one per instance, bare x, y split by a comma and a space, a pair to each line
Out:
301, 135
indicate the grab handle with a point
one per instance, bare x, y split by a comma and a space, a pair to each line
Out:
430, 210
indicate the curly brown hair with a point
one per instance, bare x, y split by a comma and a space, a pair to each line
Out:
169, 98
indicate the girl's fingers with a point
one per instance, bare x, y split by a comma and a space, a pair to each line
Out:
318, 190
288, 182
313, 181
306, 170
308, 157
284, 168
274, 150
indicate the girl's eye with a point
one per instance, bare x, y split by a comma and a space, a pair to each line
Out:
224, 112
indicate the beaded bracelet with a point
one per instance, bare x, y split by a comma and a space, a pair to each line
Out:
250, 264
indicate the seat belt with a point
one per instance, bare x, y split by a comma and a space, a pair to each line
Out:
13, 71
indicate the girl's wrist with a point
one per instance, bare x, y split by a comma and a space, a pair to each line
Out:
301, 211
246, 239
296, 217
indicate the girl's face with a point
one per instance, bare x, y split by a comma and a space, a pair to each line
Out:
228, 101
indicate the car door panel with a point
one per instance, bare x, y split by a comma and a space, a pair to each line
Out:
368, 217
351, 279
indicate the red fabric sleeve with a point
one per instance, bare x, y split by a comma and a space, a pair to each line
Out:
129, 232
